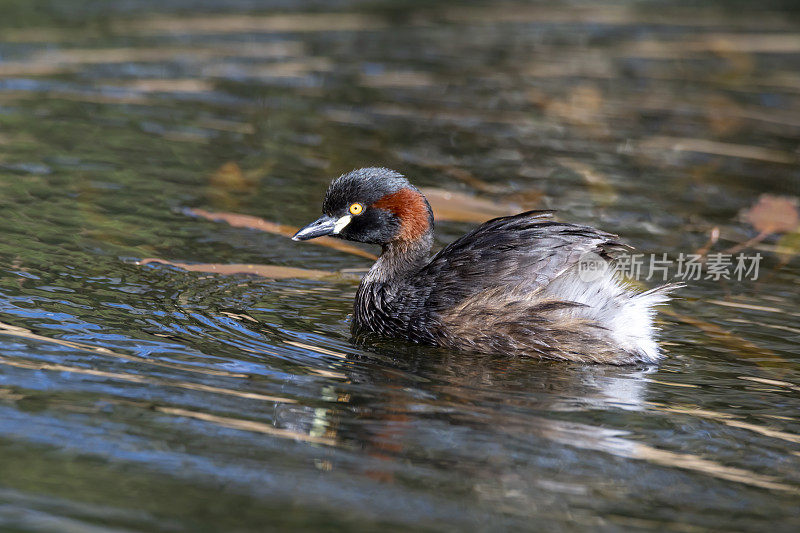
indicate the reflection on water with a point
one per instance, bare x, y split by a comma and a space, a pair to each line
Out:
169, 360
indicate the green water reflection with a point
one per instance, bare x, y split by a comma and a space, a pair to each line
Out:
152, 397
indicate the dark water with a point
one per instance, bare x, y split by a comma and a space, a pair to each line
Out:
150, 398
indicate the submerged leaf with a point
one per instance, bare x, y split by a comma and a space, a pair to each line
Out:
789, 246
738, 345
663, 144
229, 176
600, 187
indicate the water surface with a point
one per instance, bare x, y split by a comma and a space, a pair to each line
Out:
150, 397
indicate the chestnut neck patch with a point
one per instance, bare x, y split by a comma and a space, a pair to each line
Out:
410, 207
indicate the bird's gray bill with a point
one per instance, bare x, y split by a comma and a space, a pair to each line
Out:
324, 225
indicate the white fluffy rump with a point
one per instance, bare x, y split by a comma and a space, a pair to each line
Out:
627, 315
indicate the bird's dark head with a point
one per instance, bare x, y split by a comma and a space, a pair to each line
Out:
372, 205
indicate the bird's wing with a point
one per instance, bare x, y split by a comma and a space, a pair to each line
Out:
528, 249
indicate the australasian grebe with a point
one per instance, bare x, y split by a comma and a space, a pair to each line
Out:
510, 286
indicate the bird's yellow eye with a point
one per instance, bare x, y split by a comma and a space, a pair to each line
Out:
356, 209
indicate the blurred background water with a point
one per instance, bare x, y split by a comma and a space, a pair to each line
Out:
185, 394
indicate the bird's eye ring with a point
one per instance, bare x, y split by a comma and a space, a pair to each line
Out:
356, 209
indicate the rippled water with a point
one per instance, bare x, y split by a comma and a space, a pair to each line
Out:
144, 396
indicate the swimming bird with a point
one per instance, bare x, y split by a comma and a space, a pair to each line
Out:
513, 285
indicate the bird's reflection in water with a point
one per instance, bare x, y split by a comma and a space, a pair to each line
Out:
469, 416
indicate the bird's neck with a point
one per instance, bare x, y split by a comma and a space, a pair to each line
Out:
399, 259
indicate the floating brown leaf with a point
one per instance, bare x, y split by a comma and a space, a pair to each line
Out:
265, 271
247, 221
460, 207
446, 205
773, 214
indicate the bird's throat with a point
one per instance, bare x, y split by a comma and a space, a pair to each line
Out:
400, 258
